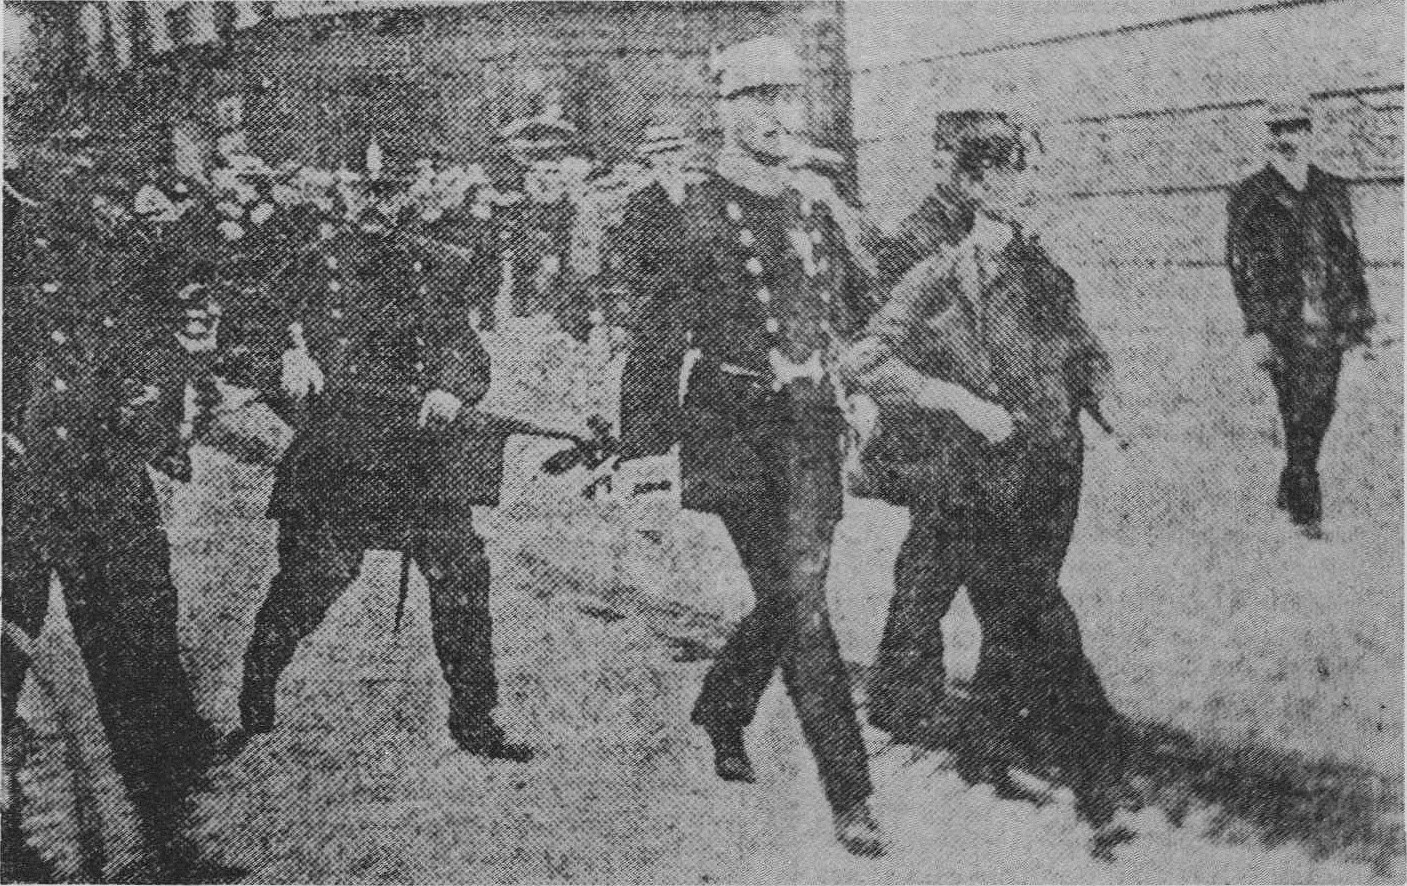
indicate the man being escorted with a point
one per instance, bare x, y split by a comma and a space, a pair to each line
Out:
980, 364
765, 287
1298, 275
385, 362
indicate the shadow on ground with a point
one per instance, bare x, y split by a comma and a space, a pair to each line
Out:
1251, 791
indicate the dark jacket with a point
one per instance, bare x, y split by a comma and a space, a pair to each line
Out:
1007, 327
940, 222
736, 266
384, 336
1294, 260
102, 397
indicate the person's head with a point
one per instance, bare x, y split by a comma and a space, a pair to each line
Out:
762, 105
538, 146
197, 304
1288, 128
992, 158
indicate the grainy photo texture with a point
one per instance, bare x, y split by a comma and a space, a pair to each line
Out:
685, 442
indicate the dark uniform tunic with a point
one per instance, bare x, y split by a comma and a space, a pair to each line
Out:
95, 394
361, 474
754, 273
996, 519
1298, 276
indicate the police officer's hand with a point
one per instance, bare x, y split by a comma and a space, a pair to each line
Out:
301, 374
439, 407
991, 420
862, 415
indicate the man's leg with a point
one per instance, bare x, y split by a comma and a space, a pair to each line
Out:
316, 564
739, 675
457, 570
908, 682
1313, 381
25, 602
1306, 382
124, 610
25, 590
811, 666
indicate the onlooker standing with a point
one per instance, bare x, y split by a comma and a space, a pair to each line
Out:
1298, 275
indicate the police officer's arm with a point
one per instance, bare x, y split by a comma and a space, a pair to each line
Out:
881, 363
670, 301
650, 411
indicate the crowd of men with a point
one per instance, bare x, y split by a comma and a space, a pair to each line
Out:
770, 324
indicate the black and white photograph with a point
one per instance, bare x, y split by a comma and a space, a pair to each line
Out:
835, 441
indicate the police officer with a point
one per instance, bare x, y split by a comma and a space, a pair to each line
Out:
981, 364
103, 398
765, 287
385, 361
1298, 276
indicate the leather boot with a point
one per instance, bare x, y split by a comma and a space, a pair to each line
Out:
730, 760
858, 832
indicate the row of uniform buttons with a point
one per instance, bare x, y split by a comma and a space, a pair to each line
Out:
61, 340
812, 264
338, 312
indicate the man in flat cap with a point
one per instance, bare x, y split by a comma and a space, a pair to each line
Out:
981, 363
762, 291
1298, 276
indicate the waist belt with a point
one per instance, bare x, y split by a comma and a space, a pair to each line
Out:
783, 371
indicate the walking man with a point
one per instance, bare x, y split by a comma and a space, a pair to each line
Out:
981, 364
763, 289
1298, 276
385, 363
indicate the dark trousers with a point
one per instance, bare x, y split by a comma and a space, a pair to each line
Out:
319, 559
1032, 668
1306, 380
783, 538
113, 561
